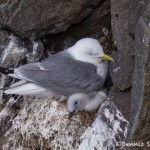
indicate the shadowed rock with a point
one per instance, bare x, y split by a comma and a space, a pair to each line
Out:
34, 19
122, 100
125, 15
91, 26
140, 110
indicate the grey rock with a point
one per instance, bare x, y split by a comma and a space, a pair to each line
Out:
140, 110
12, 52
92, 26
36, 52
2, 34
16, 52
6, 116
105, 133
58, 42
122, 101
34, 19
120, 71
2, 78
125, 14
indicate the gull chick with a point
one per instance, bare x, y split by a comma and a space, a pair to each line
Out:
81, 68
85, 102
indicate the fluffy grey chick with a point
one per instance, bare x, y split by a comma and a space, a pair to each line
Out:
85, 102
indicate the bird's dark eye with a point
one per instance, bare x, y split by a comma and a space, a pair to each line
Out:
75, 102
91, 53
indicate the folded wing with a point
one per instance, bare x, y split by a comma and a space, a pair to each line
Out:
62, 75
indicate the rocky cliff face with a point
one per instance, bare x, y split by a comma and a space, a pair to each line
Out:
140, 119
30, 31
34, 19
130, 27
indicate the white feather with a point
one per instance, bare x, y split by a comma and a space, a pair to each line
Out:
30, 89
95, 103
15, 76
87, 50
19, 83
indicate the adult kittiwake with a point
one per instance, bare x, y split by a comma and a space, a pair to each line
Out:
81, 68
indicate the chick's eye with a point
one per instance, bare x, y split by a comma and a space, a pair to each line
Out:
75, 102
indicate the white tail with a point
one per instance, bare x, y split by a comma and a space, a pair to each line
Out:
29, 89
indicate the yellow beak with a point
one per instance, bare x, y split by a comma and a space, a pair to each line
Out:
106, 57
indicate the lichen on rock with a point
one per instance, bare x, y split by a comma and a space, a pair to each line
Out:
44, 124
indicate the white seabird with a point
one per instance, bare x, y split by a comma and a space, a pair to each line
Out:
80, 68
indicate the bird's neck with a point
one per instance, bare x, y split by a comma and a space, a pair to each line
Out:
102, 69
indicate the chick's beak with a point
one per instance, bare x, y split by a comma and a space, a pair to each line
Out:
106, 57
71, 113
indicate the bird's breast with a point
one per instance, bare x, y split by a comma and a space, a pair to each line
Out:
102, 69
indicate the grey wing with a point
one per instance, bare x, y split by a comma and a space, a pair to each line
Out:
63, 76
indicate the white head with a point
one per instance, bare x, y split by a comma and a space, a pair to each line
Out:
77, 102
88, 50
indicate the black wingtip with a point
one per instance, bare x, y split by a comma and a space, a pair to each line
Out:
6, 71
